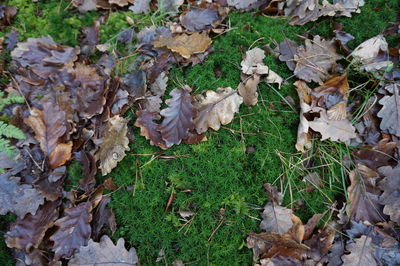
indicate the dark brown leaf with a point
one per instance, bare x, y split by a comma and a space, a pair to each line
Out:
28, 232
148, 128
73, 230
103, 219
178, 117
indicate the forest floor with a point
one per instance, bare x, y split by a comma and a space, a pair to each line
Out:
219, 181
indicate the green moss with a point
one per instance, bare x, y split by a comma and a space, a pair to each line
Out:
5, 252
55, 18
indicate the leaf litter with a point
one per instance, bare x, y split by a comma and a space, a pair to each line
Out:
75, 109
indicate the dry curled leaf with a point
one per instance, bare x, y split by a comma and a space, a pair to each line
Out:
73, 230
216, 108
28, 232
303, 137
112, 144
104, 253
148, 128
253, 62
16, 198
315, 60
248, 90
184, 44
349, 6
178, 117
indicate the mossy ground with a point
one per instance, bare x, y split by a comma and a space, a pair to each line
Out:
217, 174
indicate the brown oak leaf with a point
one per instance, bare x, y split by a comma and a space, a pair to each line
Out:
216, 108
184, 44
315, 60
248, 90
391, 194
276, 219
390, 112
199, 19
361, 252
73, 230
105, 253
178, 117
148, 128
112, 144
28, 232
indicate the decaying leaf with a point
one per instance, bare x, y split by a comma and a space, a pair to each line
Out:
184, 44
248, 90
253, 62
73, 230
315, 60
199, 19
16, 198
170, 5
390, 197
390, 112
49, 126
112, 144
272, 245
216, 108
242, 4
148, 128
104, 253
28, 232
361, 252
287, 50
335, 130
349, 6
320, 244
363, 196
178, 117
140, 6
276, 219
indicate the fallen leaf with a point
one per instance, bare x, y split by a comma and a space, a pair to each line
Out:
303, 137
16, 198
178, 117
199, 19
148, 128
121, 2
216, 108
349, 6
276, 219
159, 86
112, 144
296, 232
252, 61
390, 197
361, 252
248, 90
104, 253
60, 155
335, 130
287, 50
140, 6
85, 5
390, 112
363, 196
315, 60
372, 54
270, 245
184, 44
103, 219
28, 233
320, 244
12, 39
311, 224
242, 4
170, 5
73, 230
153, 104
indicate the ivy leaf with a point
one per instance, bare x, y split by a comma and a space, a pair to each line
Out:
178, 117
73, 230
105, 253
216, 108
112, 144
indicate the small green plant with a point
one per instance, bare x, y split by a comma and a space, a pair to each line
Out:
6, 130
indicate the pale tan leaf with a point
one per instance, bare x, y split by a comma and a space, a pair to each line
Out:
252, 60
337, 112
276, 219
216, 108
390, 112
104, 253
361, 252
184, 44
315, 60
303, 138
335, 130
112, 144
248, 90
